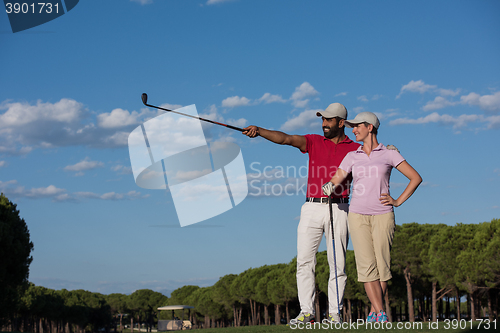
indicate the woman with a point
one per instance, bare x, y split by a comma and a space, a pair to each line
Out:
371, 213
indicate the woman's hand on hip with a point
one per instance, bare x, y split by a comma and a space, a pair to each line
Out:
387, 200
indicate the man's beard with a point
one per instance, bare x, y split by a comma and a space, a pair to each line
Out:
332, 133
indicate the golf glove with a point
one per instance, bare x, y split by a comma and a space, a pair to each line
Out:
328, 188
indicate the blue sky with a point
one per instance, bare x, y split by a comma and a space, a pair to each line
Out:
70, 95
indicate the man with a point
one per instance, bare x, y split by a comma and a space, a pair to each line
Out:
325, 154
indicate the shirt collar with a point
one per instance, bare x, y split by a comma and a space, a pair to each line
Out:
346, 140
379, 147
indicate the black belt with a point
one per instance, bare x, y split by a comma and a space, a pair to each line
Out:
325, 200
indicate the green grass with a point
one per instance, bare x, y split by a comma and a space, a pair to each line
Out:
410, 328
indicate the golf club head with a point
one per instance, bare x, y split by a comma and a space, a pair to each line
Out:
144, 98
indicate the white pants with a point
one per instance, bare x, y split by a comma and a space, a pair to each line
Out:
314, 221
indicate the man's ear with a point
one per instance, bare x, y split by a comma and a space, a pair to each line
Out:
341, 123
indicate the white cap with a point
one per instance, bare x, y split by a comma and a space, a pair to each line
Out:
363, 117
333, 110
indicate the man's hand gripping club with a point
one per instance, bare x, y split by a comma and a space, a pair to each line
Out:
328, 188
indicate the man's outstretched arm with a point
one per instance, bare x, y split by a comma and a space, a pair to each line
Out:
297, 141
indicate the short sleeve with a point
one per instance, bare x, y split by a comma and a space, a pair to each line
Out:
309, 143
395, 158
346, 163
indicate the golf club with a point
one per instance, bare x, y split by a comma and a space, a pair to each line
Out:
334, 254
145, 101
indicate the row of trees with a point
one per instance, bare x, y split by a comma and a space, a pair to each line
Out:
438, 261
431, 264
55, 311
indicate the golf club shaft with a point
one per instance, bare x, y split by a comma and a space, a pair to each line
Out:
334, 252
145, 99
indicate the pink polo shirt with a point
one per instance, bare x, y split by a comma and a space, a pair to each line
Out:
370, 178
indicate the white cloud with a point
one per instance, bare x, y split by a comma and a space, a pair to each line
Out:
242, 122
215, 2
438, 103
268, 98
444, 119
303, 91
110, 195
381, 116
301, 104
3, 163
169, 107
471, 99
306, 119
461, 121
9, 149
416, 86
341, 94
171, 133
193, 193
448, 92
25, 126
84, 165
7, 183
486, 102
493, 122
300, 98
122, 118
183, 176
300, 95
143, 2
117, 118
391, 113
426, 184
122, 170
235, 101
87, 195
21, 114
48, 191
213, 115
63, 197
11, 188
117, 139
364, 98
421, 87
